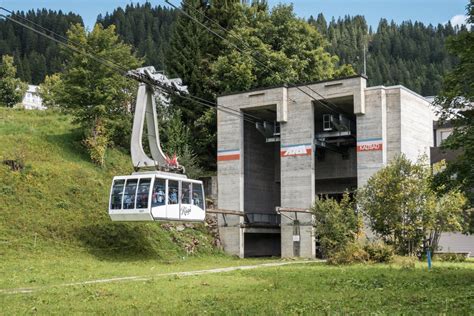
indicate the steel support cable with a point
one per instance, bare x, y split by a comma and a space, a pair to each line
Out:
197, 99
73, 48
57, 35
245, 44
251, 54
123, 71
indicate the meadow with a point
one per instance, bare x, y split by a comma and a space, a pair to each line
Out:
55, 237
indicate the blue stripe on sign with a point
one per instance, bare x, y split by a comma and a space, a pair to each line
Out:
224, 151
368, 140
288, 146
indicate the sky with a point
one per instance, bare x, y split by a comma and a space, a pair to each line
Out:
426, 11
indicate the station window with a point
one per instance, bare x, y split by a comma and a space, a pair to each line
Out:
198, 198
443, 136
186, 193
130, 192
173, 188
158, 197
117, 192
143, 192
327, 125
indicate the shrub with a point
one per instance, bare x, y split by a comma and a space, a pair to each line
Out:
336, 224
405, 262
379, 252
349, 254
450, 257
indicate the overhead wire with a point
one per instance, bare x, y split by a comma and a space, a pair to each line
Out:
336, 108
123, 71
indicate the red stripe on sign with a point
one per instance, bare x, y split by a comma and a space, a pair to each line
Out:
369, 147
228, 157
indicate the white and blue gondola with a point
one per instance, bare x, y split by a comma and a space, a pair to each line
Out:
156, 196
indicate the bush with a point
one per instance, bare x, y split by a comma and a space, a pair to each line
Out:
379, 252
450, 257
336, 224
405, 262
349, 254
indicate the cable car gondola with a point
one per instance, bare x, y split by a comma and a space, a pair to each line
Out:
163, 193
156, 196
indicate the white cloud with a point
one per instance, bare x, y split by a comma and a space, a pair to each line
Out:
459, 20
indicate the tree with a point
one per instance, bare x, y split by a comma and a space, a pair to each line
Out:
456, 100
35, 56
404, 210
51, 90
12, 89
336, 223
178, 142
275, 47
146, 28
97, 95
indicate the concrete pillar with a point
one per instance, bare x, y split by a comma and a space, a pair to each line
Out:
230, 179
371, 136
297, 173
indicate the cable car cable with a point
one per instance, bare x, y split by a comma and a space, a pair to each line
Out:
56, 34
123, 71
250, 53
243, 43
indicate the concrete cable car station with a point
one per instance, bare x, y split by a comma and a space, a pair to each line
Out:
307, 148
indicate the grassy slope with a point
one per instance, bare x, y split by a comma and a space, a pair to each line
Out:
56, 207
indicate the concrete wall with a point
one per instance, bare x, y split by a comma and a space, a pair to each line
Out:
230, 180
416, 125
371, 135
297, 173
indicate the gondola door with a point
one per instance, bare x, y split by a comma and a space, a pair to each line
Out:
173, 197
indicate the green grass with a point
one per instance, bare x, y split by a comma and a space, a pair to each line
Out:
299, 289
60, 198
54, 229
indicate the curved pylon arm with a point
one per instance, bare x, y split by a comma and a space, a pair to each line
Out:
151, 81
145, 109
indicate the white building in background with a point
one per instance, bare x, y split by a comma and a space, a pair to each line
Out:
32, 99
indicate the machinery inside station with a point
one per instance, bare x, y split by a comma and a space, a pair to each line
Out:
335, 148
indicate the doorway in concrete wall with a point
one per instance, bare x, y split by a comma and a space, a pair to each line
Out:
335, 142
261, 183
335, 169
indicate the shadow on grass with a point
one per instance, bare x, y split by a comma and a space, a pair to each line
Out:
70, 144
121, 242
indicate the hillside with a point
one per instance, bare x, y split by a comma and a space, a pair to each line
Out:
58, 202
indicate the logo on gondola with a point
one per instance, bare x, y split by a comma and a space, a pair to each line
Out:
185, 210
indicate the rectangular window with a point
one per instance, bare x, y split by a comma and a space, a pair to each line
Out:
173, 191
143, 192
117, 193
198, 198
327, 125
158, 197
186, 193
130, 193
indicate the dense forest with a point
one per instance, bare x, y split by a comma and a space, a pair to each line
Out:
146, 28
35, 56
410, 53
